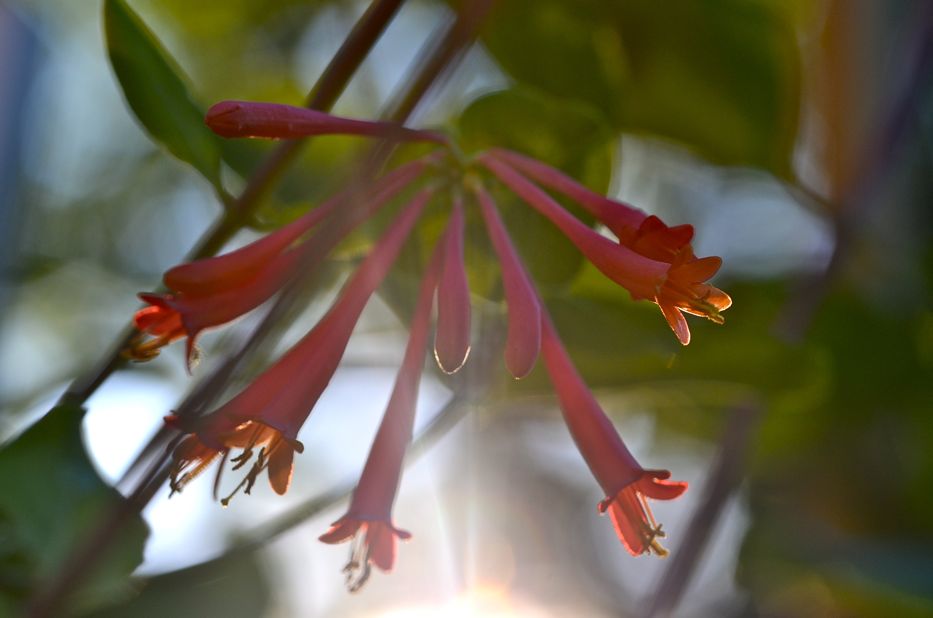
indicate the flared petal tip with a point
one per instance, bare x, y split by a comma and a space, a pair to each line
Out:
657, 488
699, 269
156, 300
340, 531
281, 468
192, 354
677, 322
718, 299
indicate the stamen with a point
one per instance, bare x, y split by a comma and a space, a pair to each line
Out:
140, 350
651, 529
241, 460
176, 484
220, 472
358, 569
261, 463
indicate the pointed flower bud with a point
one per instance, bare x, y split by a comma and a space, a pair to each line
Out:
523, 340
368, 521
452, 339
627, 485
269, 412
277, 121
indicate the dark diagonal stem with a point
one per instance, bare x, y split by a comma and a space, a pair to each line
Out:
725, 476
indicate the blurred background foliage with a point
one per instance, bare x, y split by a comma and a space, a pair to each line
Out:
795, 136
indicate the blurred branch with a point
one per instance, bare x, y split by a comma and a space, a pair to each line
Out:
724, 478
323, 95
878, 159
807, 197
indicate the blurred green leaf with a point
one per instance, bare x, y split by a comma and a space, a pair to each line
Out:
721, 76
155, 89
50, 498
233, 587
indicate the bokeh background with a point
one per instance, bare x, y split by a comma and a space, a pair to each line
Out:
795, 135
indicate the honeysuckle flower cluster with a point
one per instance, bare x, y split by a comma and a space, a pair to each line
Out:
261, 423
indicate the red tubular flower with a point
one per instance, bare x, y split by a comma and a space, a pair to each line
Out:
277, 121
269, 412
173, 316
627, 485
639, 275
213, 291
644, 234
452, 340
368, 521
523, 340
684, 292
674, 283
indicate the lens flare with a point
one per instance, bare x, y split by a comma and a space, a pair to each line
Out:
485, 601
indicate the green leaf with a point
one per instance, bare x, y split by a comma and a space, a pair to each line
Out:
155, 89
51, 498
233, 587
721, 76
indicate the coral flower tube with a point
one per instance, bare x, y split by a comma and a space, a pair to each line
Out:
626, 484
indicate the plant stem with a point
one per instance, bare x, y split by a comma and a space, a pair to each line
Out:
725, 476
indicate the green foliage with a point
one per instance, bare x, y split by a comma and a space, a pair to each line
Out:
156, 91
50, 500
235, 587
846, 481
720, 76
